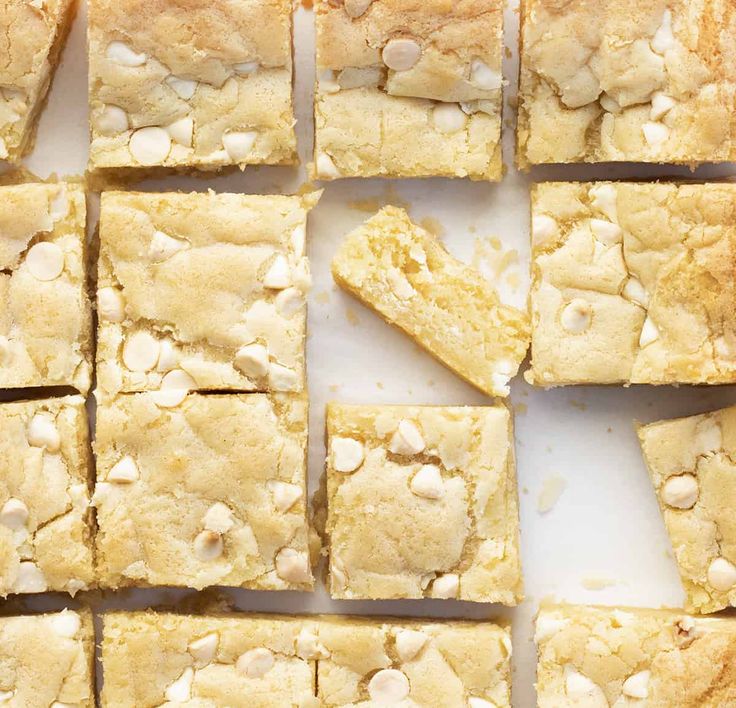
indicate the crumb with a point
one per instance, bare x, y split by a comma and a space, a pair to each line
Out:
507, 51
525, 490
322, 298
429, 223
431, 382
548, 448
552, 488
609, 429
578, 404
379, 384
307, 187
392, 197
597, 582
352, 316
472, 229
521, 408
513, 102
369, 206
334, 388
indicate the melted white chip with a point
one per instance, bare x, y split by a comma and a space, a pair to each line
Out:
606, 232
449, 118
208, 545
140, 351
124, 471
428, 483
150, 145
163, 246
182, 131
181, 689
661, 105
30, 578
110, 305
446, 586
252, 360
484, 77
239, 144
121, 53
278, 275
255, 663
409, 643
388, 687
347, 454
14, 514
282, 378
603, 197
204, 649
649, 333
664, 38
66, 624
722, 574
246, 67
184, 88
655, 133
326, 168
356, 8
42, 432
576, 316
401, 54
544, 229
218, 518
111, 120
681, 491
407, 440
285, 495
634, 291
547, 627
293, 566
637, 686
45, 261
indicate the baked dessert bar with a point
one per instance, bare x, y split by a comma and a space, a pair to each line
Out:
45, 522
209, 492
692, 463
47, 660
190, 85
604, 656
45, 315
633, 283
202, 291
636, 81
407, 276
32, 33
408, 89
422, 502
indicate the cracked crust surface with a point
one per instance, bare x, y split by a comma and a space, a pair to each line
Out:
48, 660
700, 451
364, 108
169, 261
209, 492
51, 548
224, 68
31, 36
45, 324
407, 276
388, 539
633, 283
596, 657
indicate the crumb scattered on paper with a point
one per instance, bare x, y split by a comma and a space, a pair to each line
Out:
369, 206
352, 317
597, 582
435, 227
521, 408
431, 382
322, 298
379, 384
334, 388
552, 489
578, 404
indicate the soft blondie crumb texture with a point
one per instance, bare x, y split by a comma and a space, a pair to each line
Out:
601, 657
190, 85
633, 283
408, 277
389, 69
45, 315
31, 37
48, 660
210, 492
631, 80
430, 508
692, 463
45, 522
209, 286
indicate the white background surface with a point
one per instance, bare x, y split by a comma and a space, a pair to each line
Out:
606, 524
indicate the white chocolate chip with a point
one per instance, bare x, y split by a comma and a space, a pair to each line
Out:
282, 378
168, 357
111, 120
14, 514
407, 440
308, 646
356, 8
66, 624
606, 231
150, 145
475, 702
110, 305
418, 254
500, 383
427, 483
181, 131
655, 133
326, 168
140, 351
708, 436
163, 246
121, 53
208, 545
664, 38
204, 649
183, 88
576, 316
278, 275
181, 689
544, 229
581, 687
637, 686
246, 67
338, 576
446, 586
609, 104
401, 53
289, 301
175, 386
722, 574
426, 579
125, 470
649, 333
634, 291
239, 144
409, 643
547, 627
661, 105
42, 432
388, 687
6, 695
299, 240
218, 518
603, 197
449, 118
327, 82
347, 454
30, 578
255, 663
252, 360
45, 261
285, 495
681, 491
293, 566
482, 76
400, 285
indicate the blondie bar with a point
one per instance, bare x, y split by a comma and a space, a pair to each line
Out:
32, 33
388, 70
210, 492
45, 315
692, 463
633, 283
201, 291
407, 276
190, 85
422, 502
631, 80
598, 657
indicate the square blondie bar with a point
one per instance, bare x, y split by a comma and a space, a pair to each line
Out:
598, 657
32, 33
635, 81
210, 492
190, 85
202, 291
422, 502
633, 283
692, 463
408, 277
45, 314
45, 473
392, 69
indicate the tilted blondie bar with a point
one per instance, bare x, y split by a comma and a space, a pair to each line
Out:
633, 283
32, 33
45, 314
598, 657
190, 85
202, 291
637, 81
210, 492
408, 89
45, 473
47, 660
422, 502
692, 463
407, 276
